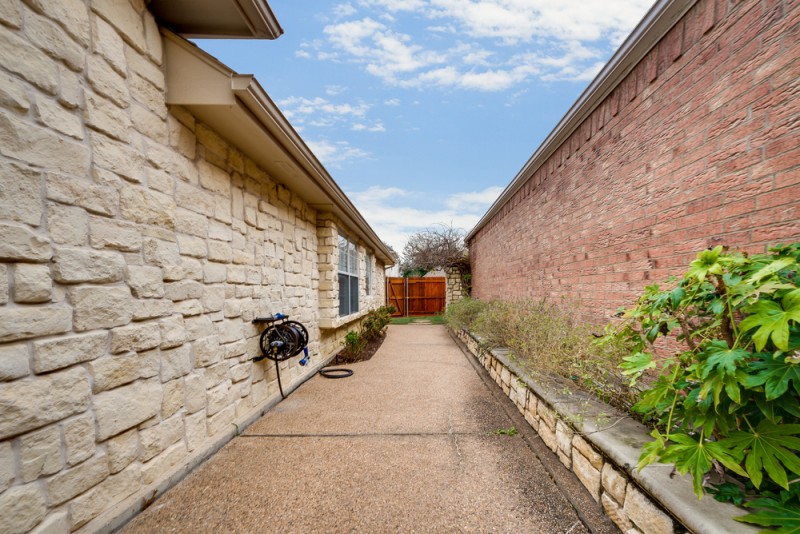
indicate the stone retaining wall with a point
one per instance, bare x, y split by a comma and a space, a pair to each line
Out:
601, 446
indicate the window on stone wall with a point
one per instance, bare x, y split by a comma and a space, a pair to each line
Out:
348, 277
368, 273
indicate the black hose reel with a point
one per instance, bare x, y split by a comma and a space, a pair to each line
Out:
282, 340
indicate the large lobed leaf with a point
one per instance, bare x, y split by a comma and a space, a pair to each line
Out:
695, 457
769, 448
706, 263
772, 320
774, 513
775, 372
722, 358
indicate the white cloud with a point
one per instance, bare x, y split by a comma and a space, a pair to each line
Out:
344, 10
469, 200
392, 211
449, 28
395, 5
360, 127
334, 154
296, 106
522, 20
322, 113
385, 53
334, 90
561, 40
392, 102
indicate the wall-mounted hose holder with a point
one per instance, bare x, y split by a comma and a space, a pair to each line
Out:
282, 340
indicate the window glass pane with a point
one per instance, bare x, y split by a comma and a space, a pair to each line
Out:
353, 294
344, 295
348, 277
343, 250
368, 274
353, 262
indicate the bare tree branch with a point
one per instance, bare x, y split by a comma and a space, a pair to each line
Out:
440, 247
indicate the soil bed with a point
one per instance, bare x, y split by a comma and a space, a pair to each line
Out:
366, 353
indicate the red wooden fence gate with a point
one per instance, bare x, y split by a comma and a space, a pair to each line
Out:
416, 296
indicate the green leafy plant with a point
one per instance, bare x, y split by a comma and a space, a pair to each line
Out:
372, 328
376, 320
511, 431
353, 343
726, 400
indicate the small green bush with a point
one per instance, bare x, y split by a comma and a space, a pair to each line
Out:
549, 341
373, 324
461, 314
728, 402
353, 343
372, 328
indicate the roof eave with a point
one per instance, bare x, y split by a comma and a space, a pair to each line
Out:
212, 19
238, 108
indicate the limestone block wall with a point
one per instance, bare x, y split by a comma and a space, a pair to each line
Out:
136, 246
455, 288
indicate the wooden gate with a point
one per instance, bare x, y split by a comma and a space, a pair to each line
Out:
416, 296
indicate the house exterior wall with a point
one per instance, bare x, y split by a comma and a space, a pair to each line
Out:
698, 146
334, 327
136, 247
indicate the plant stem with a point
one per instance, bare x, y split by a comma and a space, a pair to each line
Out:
726, 325
674, 399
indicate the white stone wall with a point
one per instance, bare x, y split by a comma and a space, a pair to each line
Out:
334, 328
455, 287
136, 246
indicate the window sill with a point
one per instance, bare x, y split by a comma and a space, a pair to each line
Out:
338, 322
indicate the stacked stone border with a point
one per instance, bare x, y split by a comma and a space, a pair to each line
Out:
601, 446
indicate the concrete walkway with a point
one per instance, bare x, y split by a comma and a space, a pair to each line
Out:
409, 443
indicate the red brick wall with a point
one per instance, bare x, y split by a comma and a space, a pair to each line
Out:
698, 146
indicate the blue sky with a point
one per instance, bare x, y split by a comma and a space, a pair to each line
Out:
424, 110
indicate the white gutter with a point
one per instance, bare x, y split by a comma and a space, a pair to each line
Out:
652, 28
247, 89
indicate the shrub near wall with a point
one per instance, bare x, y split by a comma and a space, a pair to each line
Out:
723, 408
601, 446
696, 147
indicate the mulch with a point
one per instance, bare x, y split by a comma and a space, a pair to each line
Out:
368, 352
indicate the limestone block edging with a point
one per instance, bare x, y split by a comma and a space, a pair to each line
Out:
601, 445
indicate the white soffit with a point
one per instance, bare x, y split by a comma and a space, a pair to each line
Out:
237, 108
